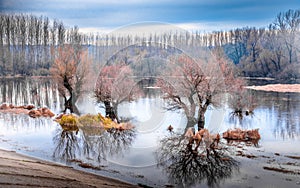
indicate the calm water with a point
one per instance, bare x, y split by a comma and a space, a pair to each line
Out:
133, 155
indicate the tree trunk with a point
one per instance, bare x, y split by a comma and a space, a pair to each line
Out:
115, 111
68, 105
71, 106
191, 121
70, 102
110, 111
201, 119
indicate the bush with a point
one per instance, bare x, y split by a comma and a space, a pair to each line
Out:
96, 124
68, 122
89, 120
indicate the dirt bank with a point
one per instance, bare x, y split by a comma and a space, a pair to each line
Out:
17, 170
277, 87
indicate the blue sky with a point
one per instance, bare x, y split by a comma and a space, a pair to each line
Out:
195, 14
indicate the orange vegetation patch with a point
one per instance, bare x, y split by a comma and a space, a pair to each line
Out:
243, 135
277, 88
211, 140
26, 109
45, 112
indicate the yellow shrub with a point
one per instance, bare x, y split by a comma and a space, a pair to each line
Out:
68, 122
107, 122
89, 120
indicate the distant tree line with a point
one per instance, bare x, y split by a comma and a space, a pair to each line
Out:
27, 43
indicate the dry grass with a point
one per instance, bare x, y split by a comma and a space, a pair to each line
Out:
277, 88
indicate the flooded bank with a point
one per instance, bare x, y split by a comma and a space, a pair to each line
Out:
132, 155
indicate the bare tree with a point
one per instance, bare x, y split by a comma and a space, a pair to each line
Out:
70, 70
194, 85
287, 24
114, 86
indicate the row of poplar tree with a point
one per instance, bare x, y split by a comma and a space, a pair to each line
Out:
28, 42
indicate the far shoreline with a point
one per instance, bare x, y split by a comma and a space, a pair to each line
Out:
282, 88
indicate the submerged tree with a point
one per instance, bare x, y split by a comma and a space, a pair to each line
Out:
194, 85
114, 86
70, 70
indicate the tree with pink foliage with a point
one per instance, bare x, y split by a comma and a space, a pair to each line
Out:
115, 85
195, 84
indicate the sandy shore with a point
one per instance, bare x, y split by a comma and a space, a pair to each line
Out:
17, 170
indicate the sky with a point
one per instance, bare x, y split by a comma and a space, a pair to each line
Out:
108, 15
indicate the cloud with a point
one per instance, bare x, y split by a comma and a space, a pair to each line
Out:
220, 26
190, 14
140, 29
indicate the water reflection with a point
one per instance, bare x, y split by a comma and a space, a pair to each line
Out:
26, 134
37, 91
252, 143
286, 107
108, 143
276, 114
277, 117
22, 124
188, 165
91, 143
67, 145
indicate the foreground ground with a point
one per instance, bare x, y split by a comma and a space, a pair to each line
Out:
21, 171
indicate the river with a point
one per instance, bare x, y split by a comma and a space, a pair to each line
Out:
132, 155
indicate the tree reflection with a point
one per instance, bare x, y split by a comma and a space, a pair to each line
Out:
67, 144
91, 143
106, 142
188, 163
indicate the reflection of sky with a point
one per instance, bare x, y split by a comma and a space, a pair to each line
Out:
277, 120
27, 135
151, 121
